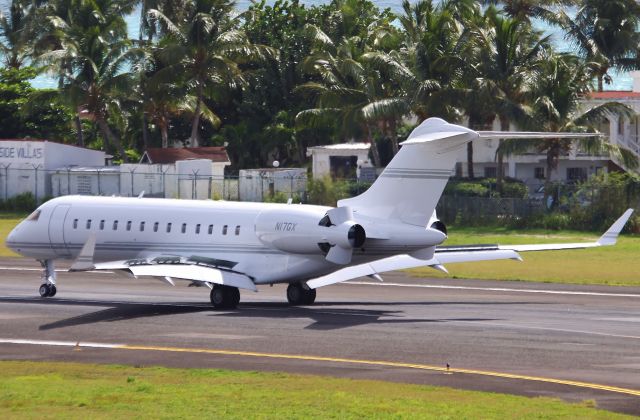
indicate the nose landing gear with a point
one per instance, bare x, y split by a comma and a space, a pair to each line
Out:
48, 287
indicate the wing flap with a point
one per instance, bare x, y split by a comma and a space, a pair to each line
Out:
194, 273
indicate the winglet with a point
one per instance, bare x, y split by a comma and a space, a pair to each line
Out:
84, 261
611, 235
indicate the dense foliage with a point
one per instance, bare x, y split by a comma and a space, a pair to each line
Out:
281, 76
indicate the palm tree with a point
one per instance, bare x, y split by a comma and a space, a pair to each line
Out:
561, 82
606, 34
508, 55
526, 10
14, 37
208, 53
88, 50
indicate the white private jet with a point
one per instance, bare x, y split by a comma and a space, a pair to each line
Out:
228, 246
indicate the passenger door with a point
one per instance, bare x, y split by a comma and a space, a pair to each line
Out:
56, 230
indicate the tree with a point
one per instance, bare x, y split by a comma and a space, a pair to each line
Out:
560, 83
526, 10
507, 52
606, 34
87, 47
14, 33
209, 53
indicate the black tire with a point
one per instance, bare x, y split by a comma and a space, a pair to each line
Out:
52, 290
235, 294
44, 290
295, 294
218, 297
224, 297
309, 296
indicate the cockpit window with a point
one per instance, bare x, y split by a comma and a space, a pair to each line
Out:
33, 217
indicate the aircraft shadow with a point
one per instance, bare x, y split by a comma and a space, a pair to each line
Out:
324, 315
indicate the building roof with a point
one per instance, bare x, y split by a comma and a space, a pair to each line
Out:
614, 94
171, 155
343, 146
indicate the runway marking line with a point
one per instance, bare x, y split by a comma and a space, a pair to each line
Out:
341, 360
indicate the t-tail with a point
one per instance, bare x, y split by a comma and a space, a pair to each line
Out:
411, 185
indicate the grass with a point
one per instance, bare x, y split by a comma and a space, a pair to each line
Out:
616, 265
73, 390
7, 222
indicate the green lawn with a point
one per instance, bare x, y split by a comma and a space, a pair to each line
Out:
615, 265
7, 222
73, 390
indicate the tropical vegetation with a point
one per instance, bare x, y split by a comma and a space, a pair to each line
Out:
280, 76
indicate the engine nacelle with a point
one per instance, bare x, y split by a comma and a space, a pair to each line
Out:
297, 230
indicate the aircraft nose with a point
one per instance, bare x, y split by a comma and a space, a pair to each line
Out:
12, 240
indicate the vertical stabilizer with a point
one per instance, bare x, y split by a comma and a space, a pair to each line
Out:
411, 185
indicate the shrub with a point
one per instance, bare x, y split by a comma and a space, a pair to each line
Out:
326, 191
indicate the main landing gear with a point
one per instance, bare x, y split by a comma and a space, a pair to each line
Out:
224, 297
300, 294
48, 287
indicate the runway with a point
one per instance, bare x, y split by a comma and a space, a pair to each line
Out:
572, 342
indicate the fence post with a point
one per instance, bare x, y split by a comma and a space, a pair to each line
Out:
164, 181
132, 171
6, 181
35, 168
68, 181
99, 189
193, 183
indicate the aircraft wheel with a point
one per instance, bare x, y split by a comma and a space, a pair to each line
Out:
224, 297
309, 296
297, 294
44, 290
52, 290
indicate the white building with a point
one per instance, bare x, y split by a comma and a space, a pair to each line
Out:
344, 160
27, 165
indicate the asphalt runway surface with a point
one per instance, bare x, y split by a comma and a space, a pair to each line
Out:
572, 342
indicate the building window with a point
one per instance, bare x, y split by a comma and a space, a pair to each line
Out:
128, 225
184, 228
155, 226
576, 174
210, 229
538, 173
141, 226
88, 223
168, 227
224, 229
198, 228
115, 225
237, 230
75, 223
101, 224
490, 172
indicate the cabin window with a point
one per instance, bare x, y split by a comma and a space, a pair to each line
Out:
88, 223
168, 227
128, 224
155, 226
115, 225
224, 229
141, 226
184, 228
101, 224
75, 223
237, 230
210, 229
197, 228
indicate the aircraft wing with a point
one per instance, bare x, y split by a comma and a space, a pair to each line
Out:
470, 253
403, 262
205, 271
